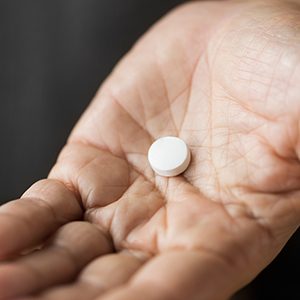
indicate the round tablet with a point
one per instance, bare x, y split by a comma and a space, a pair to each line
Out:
169, 156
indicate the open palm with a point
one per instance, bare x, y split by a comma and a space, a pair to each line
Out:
223, 77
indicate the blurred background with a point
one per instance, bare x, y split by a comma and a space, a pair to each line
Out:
53, 57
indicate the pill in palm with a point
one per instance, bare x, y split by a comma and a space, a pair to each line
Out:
169, 156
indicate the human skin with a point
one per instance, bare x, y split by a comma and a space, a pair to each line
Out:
223, 76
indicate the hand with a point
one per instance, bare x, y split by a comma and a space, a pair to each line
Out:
224, 77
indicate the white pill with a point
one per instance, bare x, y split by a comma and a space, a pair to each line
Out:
169, 156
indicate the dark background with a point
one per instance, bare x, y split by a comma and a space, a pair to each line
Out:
53, 56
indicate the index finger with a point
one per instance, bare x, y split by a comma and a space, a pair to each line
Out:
27, 222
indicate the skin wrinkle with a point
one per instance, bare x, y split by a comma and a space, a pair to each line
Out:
75, 192
143, 128
73, 257
259, 53
141, 221
229, 135
283, 159
93, 280
236, 221
166, 94
81, 140
102, 229
144, 125
263, 227
168, 106
61, 247
165, 200
263, 34
132, 119
274, 205
250, 215
210, 118
65, 250
21, 220
172, 102
271, 84
297, 142
250, 72
224, 260
96, 208
266, 222
35, 202
76, 182
86, 200
27, 221
190, 83
94, 147
68, 187
34, 271
47, 206
248, 109
289, 81
291, 159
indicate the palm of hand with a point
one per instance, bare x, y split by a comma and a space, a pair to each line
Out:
229, 93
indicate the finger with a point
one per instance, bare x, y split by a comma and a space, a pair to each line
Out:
25, 223
99, 176
72, 248
105, 273
179, 276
